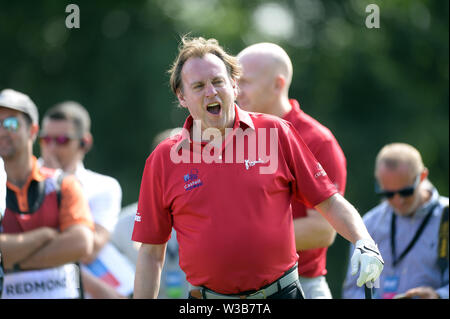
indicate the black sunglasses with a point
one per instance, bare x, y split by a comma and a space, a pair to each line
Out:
404, 192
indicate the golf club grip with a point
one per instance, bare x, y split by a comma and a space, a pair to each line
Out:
368, 292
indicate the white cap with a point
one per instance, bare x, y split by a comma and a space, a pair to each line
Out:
15, 100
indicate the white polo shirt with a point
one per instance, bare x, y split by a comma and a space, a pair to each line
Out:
104, 195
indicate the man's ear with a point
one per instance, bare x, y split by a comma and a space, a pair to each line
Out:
34, 131
279, 84
181, 98
235, 86
424, 174
86, 142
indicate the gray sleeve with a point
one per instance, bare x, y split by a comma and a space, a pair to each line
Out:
350, 290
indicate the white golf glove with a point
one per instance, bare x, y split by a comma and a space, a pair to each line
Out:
367, 258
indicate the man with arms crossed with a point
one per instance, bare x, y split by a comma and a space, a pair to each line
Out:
42, 227
232, 216
2, 210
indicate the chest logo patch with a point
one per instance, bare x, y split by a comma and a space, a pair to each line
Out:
192, 180
249, 163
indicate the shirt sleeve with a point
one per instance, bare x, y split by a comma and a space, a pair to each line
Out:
121, 237
153, 220
105, 205
74, 205
310, 184
333, 160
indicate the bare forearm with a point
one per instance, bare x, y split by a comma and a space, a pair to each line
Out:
148, 271
17, 247
313, 231
100, 241
344, 218
69, 246
101, 237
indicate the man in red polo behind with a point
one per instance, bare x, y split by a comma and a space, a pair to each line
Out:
225, 184
264, 87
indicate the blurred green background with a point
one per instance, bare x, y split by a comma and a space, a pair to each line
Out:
369, 86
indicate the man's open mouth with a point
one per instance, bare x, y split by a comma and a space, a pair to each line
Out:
213, 108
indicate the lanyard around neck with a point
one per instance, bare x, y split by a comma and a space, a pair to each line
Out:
419, 232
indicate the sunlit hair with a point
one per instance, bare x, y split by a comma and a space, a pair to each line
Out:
199, 47
73, 112
396, 154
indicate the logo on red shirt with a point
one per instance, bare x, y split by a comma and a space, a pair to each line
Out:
249, 163
137, 217
192, 180
320, 171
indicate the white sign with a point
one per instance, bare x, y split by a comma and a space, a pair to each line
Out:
53, 283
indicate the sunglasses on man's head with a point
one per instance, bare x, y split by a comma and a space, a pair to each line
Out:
404, 192
59, 140
10, 123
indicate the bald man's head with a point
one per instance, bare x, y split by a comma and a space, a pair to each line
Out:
273, 56
266, 77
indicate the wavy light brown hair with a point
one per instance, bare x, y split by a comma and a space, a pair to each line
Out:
199, 47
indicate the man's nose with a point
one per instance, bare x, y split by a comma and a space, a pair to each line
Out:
50, 144
210, 90
397, 199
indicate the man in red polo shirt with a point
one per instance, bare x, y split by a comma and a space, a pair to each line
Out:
225, 184
264, 87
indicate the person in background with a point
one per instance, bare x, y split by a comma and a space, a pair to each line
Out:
173, 279
47, 226
410, 226
264, 88
2, 187
65, 139
2, 211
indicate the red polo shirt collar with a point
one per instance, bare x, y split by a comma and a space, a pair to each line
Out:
296, 109
241, 120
